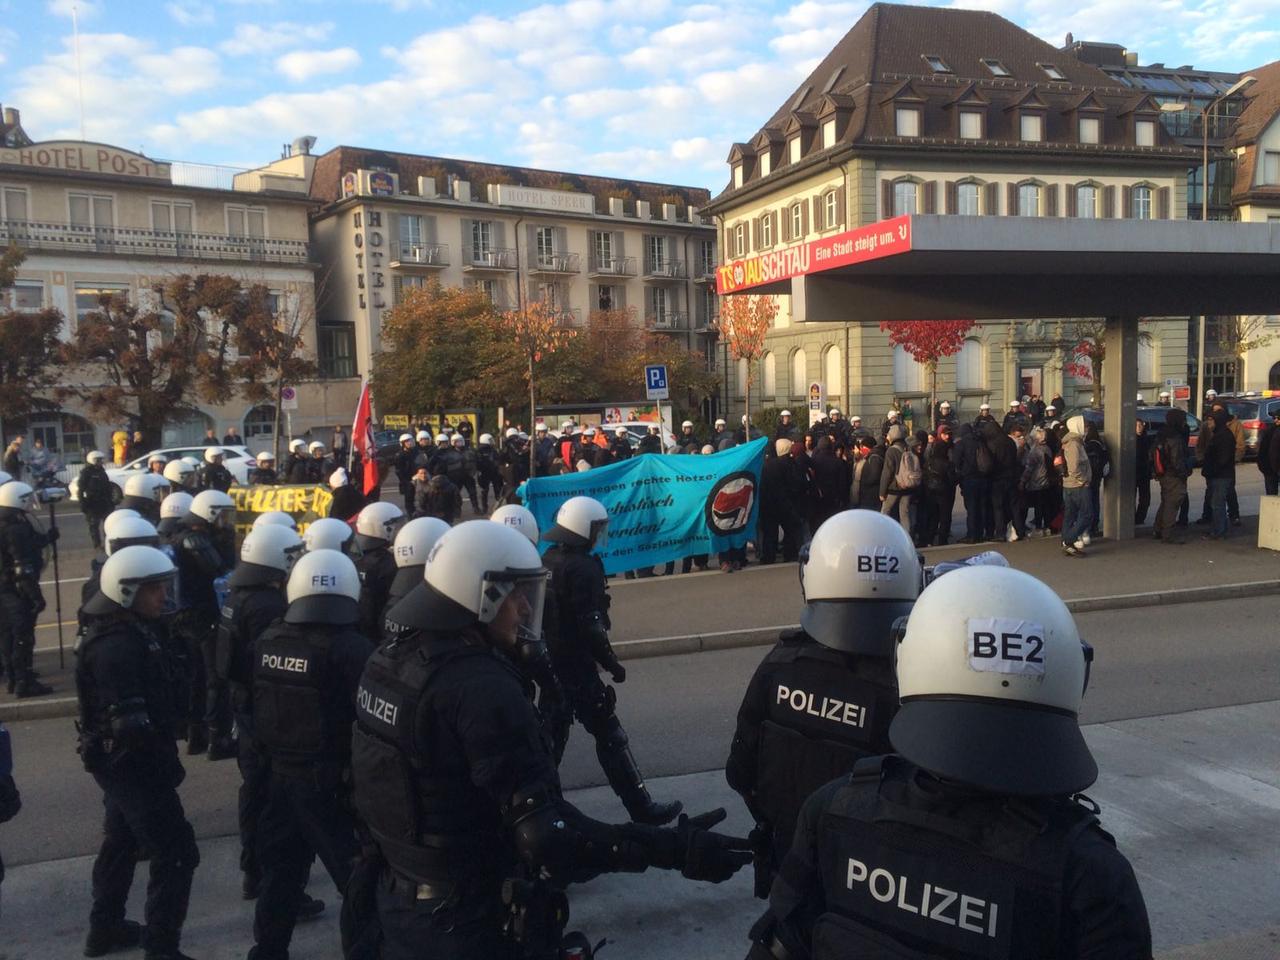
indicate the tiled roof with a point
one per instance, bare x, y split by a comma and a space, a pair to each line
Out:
1262, 103
326, 184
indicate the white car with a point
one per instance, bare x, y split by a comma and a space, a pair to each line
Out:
236, 459
638, 429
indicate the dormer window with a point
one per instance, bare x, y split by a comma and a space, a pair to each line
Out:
828, 134
1144, 133
997, 68
737, 175
793, 150
970, 124
1090, 129
907, 121
1031, 128
766, 164
1050, 71
936, 64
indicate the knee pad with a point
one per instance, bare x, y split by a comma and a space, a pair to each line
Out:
607, 731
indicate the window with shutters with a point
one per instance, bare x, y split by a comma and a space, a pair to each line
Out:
1144, 133
908, 373
828, 134
94, 210
793, 150
907, 121
969, 366
799, 373
737, 175
766, 164
1028, 200
168, 216
1090, 130
706, 257
970, 125
968, 199
1087, 201
830, 210
481, 240
769, 374
766, 230
1141, 202
545, 239
740, 240
657, 249
13, 204
797, 221
1031, 127
602, 249
906, 196
833, 371
399, 284
607, 298
410, 231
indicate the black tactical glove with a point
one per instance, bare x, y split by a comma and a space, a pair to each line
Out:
693, 848
761, 840
618, 672
10, 799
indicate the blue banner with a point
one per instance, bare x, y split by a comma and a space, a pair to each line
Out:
662, 507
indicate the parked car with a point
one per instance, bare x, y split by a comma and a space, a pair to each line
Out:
1152, 414
236, 459
637, 429
1253, 410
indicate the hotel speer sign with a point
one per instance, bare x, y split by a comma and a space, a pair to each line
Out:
75, 156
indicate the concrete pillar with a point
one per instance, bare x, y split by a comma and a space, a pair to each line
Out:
1120, 404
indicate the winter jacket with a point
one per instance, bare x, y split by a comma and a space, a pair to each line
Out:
888, 476
1075, 469
1171, 441
865, 489
1218, 455
939, 472
1036, 460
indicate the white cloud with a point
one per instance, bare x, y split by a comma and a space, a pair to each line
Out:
302, 65
189, 13
256, 38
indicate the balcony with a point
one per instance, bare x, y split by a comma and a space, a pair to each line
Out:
708, 323
554, 264
612, 267
665, 271
491, 260
671, 320
706, 273
130, 242
570, 317
411, 256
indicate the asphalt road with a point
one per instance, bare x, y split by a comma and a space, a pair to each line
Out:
680, 711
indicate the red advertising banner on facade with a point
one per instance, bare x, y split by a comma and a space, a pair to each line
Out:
872, 242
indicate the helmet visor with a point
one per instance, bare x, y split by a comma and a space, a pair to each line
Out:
513, 600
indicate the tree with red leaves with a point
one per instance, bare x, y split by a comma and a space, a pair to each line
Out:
744, 321
928, 341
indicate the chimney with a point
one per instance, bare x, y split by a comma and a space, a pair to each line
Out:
1070, 40
302, 146
11, 116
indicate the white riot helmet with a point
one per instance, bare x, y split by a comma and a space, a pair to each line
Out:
423, 435
266, 556
330, 533
315, 446
297, 445
540, 428
192, 461
156, 457
125, 573
859, 574
147, 486
416, 538
17, 495
654, 429
620, 432
338, 478
179, 472
130, 532
213, 454
1210, 394
95, 457
213, 507
265, 458
486, 440
176, 506
458, 440
991, 672
719, 422
274, 518
687, 424
442, 439
376, 524
115, 516
511, 432
406, 438
580, 521
324, 587
471, 571
518, 517
785, 413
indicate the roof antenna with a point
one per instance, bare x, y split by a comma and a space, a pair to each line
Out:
75, 29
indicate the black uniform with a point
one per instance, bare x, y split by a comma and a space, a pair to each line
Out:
147, 507
809, 713
202, 557
264, 475
21, 601
126, 685
404, 475
891, 862
10, 799
649, 443
215, 476
291, 468
377, 569
305, 675
95, 499
457, 787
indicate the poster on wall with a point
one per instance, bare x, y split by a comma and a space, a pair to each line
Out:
817, 401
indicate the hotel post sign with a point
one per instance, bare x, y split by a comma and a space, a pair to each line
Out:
75, 156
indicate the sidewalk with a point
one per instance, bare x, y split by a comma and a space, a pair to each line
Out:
1193, 800
713, 610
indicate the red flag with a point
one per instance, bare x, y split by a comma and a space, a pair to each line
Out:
362, 440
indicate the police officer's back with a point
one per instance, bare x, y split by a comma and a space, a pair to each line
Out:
376, 527
122, 528
21, 560
94, 489
412, 546
182, 476
129, 706
453, 779
968, 841
823, 697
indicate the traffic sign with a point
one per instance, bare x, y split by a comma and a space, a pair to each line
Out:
655, 382
288, 398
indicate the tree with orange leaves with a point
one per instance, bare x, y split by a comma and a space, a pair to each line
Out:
744, 321
538, 332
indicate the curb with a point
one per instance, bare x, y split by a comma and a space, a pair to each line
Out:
55, 707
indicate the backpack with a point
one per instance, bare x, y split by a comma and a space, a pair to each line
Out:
908, 475
1158, 465
986, 463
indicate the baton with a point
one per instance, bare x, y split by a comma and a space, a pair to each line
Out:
57, 590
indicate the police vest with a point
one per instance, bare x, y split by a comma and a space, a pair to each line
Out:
397, 789
915, 885
821, 717
289, 681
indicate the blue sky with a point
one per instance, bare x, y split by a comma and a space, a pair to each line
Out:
639, 88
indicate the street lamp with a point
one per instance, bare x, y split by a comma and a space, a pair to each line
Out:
1211, 107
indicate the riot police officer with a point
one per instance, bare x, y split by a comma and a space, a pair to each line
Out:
578, 637
620, 445
306, 668
823, 697
275, 518
126, 686
204, 553
376, 527
405, 470
969, 841
265, 469
95, 494
297, 454
518, 517
412, 547
455, 783
651, 442
256, 600
214, 475
174, 510
182, 475
21, 559
122, 528
329, 533
144, 492
488, 474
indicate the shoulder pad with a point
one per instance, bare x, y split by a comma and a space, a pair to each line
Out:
868, 769
792, 638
